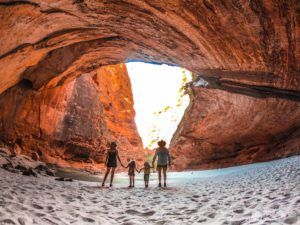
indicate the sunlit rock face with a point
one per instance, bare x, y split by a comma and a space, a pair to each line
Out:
70, 125
247, 51
223, 129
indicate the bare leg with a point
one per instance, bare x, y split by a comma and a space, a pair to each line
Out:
105, 176
165, 176
112, 176
159, 176
132, 181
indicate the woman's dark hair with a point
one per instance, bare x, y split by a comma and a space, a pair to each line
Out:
113, 144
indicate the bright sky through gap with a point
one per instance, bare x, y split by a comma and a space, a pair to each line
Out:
154, 88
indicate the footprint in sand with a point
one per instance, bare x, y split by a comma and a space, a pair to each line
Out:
191, 211
205, 200
149, 213
121, 217
49, 221
237, 222
89, 220
132, 212
22, 221
211, 215
7, 222
238, 210
36, 206
202, 220
50, 208
39, 214
290, 220
274, 206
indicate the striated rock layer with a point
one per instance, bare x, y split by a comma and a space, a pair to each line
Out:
247, 51
70, 125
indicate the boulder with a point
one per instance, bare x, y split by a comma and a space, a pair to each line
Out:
5, 152
35, 156
29, 172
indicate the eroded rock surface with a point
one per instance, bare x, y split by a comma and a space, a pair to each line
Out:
247, 51
224, 129
70, 125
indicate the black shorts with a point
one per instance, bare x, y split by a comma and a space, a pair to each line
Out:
131, 174
111, 164
162, 167
146, 177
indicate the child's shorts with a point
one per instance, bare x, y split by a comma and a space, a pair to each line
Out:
146, 176
131, 173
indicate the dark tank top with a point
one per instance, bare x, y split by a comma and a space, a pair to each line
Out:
112, 159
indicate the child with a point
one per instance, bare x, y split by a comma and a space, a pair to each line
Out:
131, 169
146, 169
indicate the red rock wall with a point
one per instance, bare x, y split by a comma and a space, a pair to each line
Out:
73, 123
222, 129
247, 50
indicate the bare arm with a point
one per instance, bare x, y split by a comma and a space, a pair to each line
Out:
169, 158
119, 159
154, 158
140, 170
106, 159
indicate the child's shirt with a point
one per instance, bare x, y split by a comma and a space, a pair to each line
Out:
147, 168
131, 168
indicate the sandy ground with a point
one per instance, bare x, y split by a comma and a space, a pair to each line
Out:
263, 193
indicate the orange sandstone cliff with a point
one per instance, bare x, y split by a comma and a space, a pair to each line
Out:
70, 125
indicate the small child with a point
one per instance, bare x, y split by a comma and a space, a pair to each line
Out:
146, 169
131, 172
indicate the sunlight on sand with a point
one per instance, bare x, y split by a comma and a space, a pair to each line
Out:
159, 100
261, 193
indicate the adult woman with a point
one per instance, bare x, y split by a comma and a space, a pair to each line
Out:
111, 162
163, 161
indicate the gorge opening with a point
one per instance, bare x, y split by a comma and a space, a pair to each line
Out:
160, 94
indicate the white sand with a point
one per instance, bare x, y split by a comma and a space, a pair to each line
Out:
264, 193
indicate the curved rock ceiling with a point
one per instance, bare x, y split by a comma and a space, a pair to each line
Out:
247, 51
249, 42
